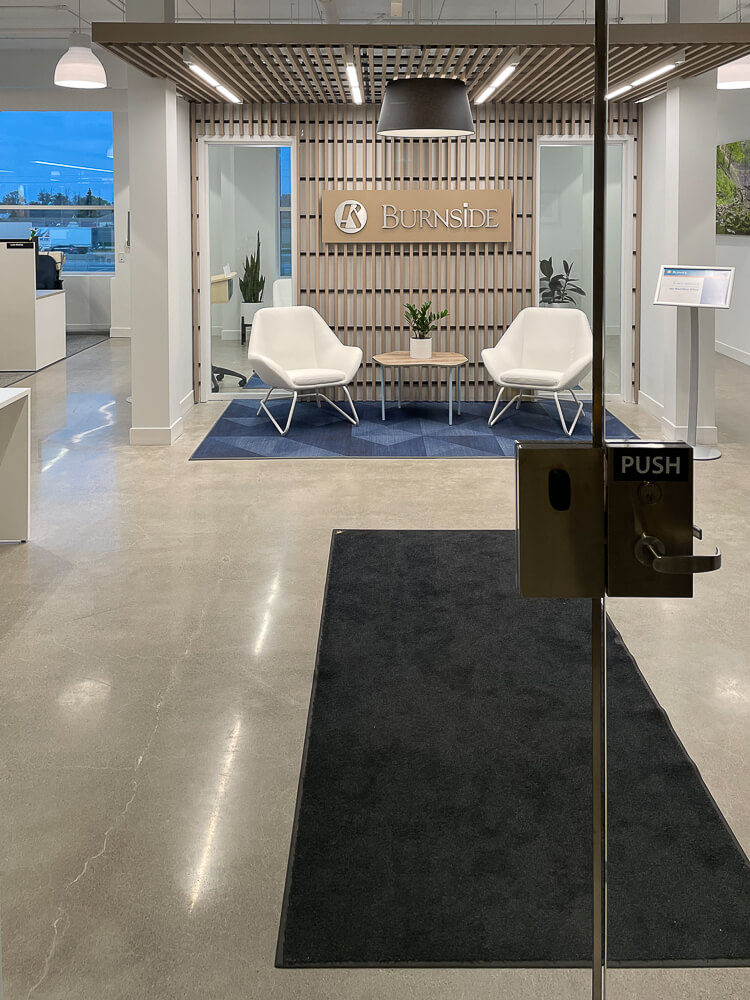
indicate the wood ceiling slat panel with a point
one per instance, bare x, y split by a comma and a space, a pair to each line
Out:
376, 86
256, 68
480, 55
295, 72
318, 72
412, 59
278, 65
337, 74
268, 80
297, 69
465, 56
537, 80
187, 82
488, 72
219, 62
426, 56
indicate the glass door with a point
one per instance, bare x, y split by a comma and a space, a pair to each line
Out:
564, 238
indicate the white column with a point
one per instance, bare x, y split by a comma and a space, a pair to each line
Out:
160, 233
684, 226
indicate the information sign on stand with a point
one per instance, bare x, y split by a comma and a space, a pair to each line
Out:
695, 288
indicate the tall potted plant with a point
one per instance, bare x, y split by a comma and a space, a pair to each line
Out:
423, 322
555, 289
252, 284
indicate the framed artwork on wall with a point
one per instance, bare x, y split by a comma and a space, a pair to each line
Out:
733, 189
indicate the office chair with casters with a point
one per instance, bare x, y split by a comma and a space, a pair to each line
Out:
217, 375
292, 348
543, 350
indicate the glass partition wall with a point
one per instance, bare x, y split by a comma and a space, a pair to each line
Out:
678, 671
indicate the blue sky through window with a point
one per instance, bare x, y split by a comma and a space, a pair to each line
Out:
56, 151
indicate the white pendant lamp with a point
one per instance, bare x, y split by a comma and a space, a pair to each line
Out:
79, 67
735, 75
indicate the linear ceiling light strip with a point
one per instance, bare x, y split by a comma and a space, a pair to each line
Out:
678, 59
208, 77
353, 76
511, 65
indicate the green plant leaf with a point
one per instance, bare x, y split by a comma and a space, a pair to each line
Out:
546, 267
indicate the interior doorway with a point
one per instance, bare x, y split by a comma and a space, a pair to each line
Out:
248, 222
564, 221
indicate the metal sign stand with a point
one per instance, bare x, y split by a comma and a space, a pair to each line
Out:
701, 452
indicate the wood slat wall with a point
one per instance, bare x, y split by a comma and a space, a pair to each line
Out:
361, 289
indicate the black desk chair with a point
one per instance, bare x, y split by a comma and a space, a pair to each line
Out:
46, 273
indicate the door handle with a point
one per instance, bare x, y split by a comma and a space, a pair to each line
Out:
651, 551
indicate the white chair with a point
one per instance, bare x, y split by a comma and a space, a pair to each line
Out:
545, 350
293, 348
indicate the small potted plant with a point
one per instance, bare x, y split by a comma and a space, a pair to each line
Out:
252, 284
422, 322
554, 288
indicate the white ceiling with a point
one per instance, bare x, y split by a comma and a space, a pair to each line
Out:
40, 19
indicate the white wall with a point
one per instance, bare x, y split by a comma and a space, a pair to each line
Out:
181, 270
678, 227
242, 201
654, 253
733, 327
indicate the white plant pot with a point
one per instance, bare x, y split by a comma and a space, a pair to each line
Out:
249, 309
420, 348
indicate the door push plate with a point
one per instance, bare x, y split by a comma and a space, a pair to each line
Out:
560, 520
650, 520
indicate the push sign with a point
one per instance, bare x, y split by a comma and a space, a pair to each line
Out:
662, 465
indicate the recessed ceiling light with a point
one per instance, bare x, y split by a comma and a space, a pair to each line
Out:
654, 74
618, 93
204, 75
643, 100
353, 76
226, 92
507, 71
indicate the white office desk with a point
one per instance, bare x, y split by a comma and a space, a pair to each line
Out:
32, 323
15, 465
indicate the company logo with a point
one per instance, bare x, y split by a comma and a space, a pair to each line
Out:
350, 216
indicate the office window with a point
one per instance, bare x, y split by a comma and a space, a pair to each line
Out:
56, 181
284, 188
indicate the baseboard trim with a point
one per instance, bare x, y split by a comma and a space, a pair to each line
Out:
187, 402
120, 331
733, 352
676, 432
227, 334
83, 328
156, 435
650, 405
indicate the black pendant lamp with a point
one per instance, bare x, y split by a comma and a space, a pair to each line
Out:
424, 108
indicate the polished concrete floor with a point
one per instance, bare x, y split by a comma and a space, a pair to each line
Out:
157, 645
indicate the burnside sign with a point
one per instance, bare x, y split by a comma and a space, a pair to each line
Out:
418, 216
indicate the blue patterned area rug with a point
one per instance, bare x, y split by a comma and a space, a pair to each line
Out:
418, 430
